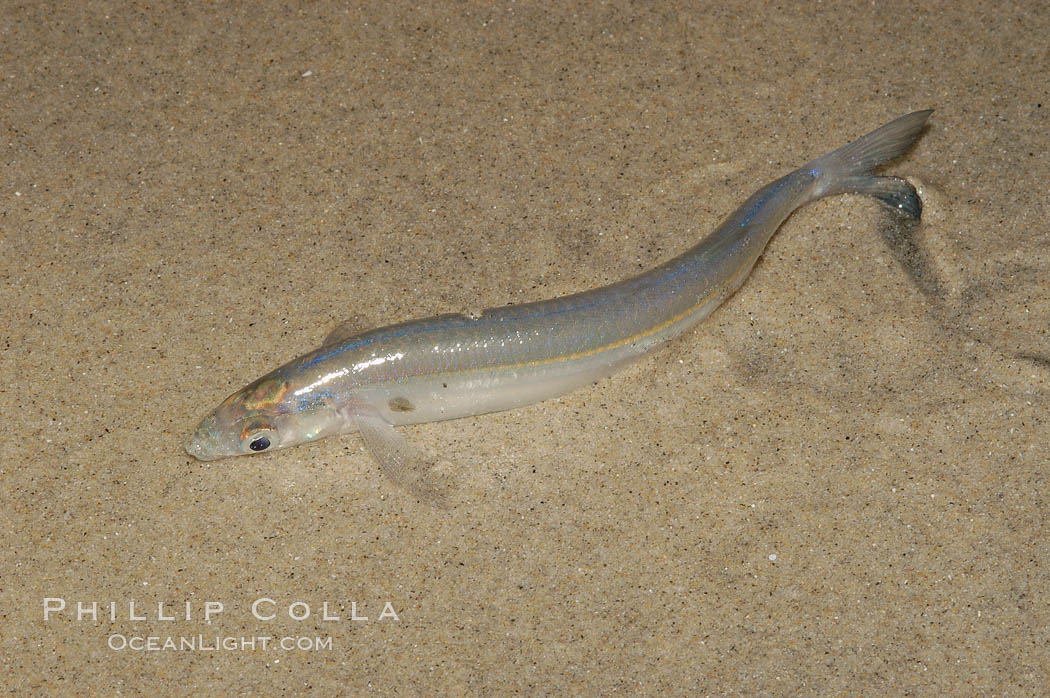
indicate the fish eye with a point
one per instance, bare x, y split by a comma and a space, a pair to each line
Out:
258, 434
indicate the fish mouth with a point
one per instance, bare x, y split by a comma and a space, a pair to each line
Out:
196, 449
204, 444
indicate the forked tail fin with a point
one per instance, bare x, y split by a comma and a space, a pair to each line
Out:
848, 169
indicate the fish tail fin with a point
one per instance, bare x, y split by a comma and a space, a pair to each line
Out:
848, 169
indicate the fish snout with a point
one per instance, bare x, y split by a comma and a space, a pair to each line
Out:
204, 443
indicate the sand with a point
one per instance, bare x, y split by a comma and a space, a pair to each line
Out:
836, 484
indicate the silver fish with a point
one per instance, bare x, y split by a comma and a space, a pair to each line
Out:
455, 365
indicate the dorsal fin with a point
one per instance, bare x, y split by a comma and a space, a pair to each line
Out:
344, 330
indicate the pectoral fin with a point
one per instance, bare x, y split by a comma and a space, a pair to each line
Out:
399, 459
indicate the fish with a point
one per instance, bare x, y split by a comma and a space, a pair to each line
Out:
459, 365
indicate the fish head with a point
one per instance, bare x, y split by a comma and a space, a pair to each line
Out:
262, 417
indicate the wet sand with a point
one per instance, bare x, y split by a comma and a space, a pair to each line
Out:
836, 484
